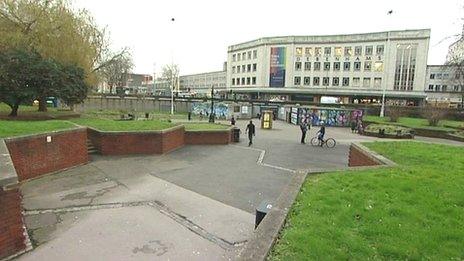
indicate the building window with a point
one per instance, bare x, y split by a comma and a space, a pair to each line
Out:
456, 88
297, 80
369, 50
326, 66
297, 66
244, 56
346, 81
239, 56
346, 66
249, 55
438, 75
317, 66
234, 57
445, 76
327, 50
238, 81
357, 66
358, 50
253, 80
437, 88
309, 51
430, 87
255, 54
243, 68
432, 76
377, 82
444, 88
249, 68
378, 66
299, 51
356, 81
316, 81
366, 82
307, 66
379, 50
336, 66
306, 80
325, 81
254, 67
338, 51
348, 51
248, 80
318, 51
238, 69
367, 65
405, 65
335, 81
233, 69
233, 81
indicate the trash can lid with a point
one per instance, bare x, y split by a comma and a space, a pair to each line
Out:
265, 206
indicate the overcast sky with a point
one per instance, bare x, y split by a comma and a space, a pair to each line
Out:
198, 38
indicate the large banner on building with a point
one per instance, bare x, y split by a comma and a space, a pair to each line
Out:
277, 67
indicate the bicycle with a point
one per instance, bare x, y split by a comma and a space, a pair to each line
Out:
329, 143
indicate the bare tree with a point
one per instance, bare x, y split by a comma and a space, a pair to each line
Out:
394, 113
434, 114
116, 69
455, 60
171, 74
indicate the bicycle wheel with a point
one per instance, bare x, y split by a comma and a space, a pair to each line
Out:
315, 141
330, 143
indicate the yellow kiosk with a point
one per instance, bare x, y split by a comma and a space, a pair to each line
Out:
266, 120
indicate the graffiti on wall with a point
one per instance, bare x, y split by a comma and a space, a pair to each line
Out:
221, 110
330, 117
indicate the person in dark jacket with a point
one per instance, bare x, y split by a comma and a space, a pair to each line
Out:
232, 121
250, 129
320, 135
304, 129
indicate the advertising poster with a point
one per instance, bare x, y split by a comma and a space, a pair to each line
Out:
277, 67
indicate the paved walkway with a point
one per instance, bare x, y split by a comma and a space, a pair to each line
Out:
196, 203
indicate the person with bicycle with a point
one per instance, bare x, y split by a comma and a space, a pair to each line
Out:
320, 134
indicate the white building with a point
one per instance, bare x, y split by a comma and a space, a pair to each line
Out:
201, 83
353, 67
444, 85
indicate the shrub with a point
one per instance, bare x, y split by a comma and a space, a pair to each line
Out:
394, 113
433, 114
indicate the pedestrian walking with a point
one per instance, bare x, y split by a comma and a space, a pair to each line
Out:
201, 115
232, 121
250, 129
304, 128
189, 115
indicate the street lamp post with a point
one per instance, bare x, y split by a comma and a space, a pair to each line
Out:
211, 115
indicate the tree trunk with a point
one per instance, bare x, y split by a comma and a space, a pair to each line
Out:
14, 110
43, 104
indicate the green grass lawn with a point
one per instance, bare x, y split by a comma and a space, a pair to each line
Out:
204, 126
112, 125
31, 111
18, 128
417, 122
411, 212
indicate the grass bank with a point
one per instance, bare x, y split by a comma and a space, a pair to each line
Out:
446, 125
114, 125
19, 128
413, 211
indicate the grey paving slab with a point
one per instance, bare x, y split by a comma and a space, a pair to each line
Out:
136, 233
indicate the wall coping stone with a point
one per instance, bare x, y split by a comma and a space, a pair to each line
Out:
138, 131
8, 175
220, 130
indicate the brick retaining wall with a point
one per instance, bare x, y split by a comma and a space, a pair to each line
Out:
208, 137
33, 156
358, 157
137, 142
12, 229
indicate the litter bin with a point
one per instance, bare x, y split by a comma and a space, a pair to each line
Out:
236, 134
261, 211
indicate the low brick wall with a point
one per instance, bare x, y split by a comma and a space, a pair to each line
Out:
431, 133
33, 156
209, 137
357, 157
137, 142
12, 229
